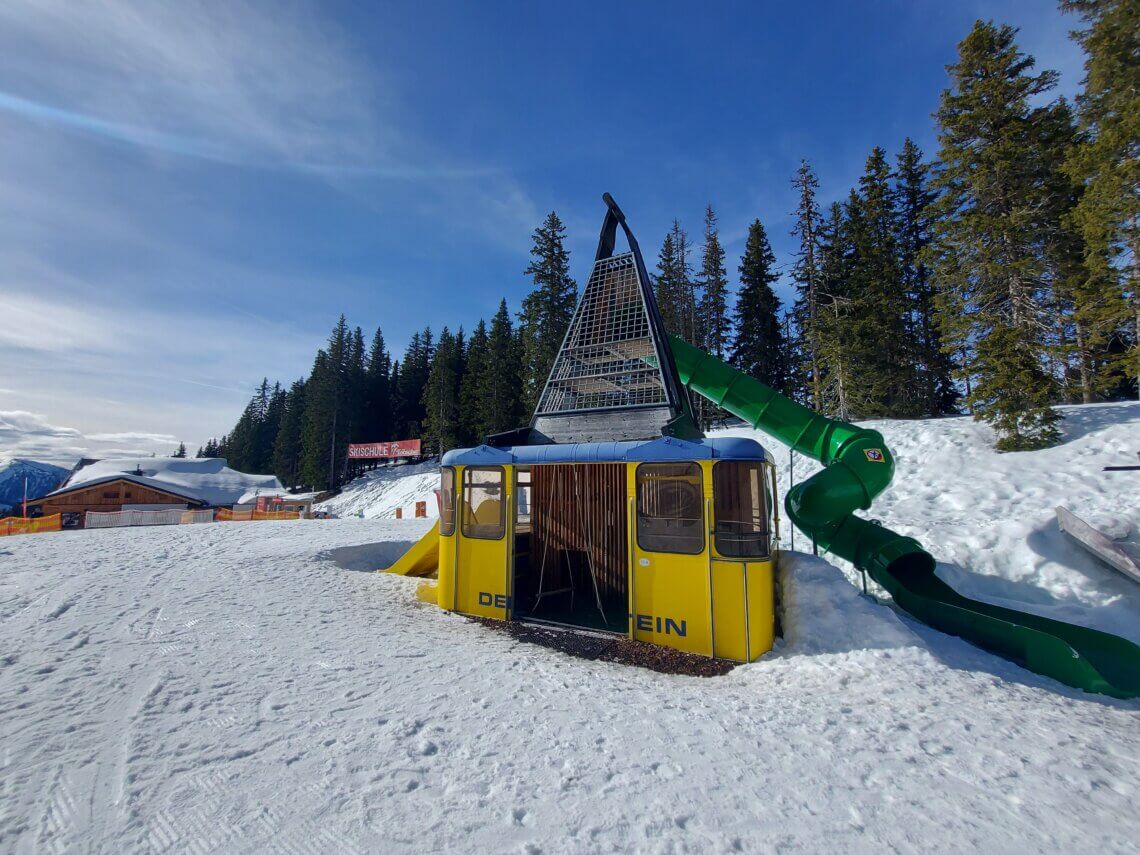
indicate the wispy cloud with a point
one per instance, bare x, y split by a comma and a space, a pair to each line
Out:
187, 146
117, 366
133, 436
227, 82
32, 436
232, 73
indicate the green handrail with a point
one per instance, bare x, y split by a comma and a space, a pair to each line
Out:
858, 466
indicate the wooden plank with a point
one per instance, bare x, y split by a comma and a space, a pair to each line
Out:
1098, 543
580, 508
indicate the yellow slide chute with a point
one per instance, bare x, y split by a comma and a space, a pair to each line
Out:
422, 559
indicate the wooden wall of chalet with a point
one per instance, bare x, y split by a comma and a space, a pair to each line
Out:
109, 496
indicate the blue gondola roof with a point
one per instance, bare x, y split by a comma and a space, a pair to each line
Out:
666, 448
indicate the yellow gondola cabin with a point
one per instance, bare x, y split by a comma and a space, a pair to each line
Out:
668, 541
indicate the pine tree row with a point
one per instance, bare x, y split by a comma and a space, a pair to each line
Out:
1002, 276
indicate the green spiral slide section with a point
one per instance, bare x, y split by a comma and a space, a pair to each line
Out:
858, 466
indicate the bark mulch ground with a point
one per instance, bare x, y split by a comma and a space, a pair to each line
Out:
615, 648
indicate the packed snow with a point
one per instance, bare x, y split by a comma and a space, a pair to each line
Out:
243, 686
990, 519
378, 493
206, 478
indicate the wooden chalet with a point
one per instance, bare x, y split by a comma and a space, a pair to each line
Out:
115, 493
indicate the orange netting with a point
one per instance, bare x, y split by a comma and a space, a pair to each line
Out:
18, 525
276, 515
228, 515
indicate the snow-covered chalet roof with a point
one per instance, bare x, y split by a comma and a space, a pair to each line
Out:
208, 480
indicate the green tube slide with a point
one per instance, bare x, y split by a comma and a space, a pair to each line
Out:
858, 466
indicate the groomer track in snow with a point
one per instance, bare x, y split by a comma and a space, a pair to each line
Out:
236, 688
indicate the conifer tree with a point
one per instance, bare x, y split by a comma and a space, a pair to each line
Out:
328, 409
242, 446
377, 395
396, 402
287, 445
548, 308
988, 262
504, 387
805, 274
355, 382
665, 290
913, 200
414, 372
268, 428
475, 391
879, 345
1076, 300
317, 421
441, 395
759, 348
711, 326
181, 452
713, 284
1106, 164
833, 333
675, 289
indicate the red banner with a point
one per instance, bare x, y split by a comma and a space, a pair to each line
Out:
382, 450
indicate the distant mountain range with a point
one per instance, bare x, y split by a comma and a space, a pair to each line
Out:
41, 477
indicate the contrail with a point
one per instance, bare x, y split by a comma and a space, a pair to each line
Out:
116, 131
93, 126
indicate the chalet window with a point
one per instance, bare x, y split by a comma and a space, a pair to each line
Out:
669, 513
447, 502
741, 508
127, 494
484, 511
110, 494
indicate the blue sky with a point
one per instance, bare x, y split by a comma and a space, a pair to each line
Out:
191, 193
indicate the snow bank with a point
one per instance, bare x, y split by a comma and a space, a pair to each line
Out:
234, 688
990, 520
378, 493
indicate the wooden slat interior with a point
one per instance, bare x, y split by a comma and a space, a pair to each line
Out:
581, 507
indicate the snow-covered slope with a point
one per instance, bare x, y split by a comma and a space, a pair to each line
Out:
239, 687
231, 688
378, 493
990, 520
41, 478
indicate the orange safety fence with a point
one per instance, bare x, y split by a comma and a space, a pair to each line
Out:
276, 515
18, 525
228, 515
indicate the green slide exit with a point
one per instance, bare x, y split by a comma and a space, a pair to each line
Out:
858, 466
